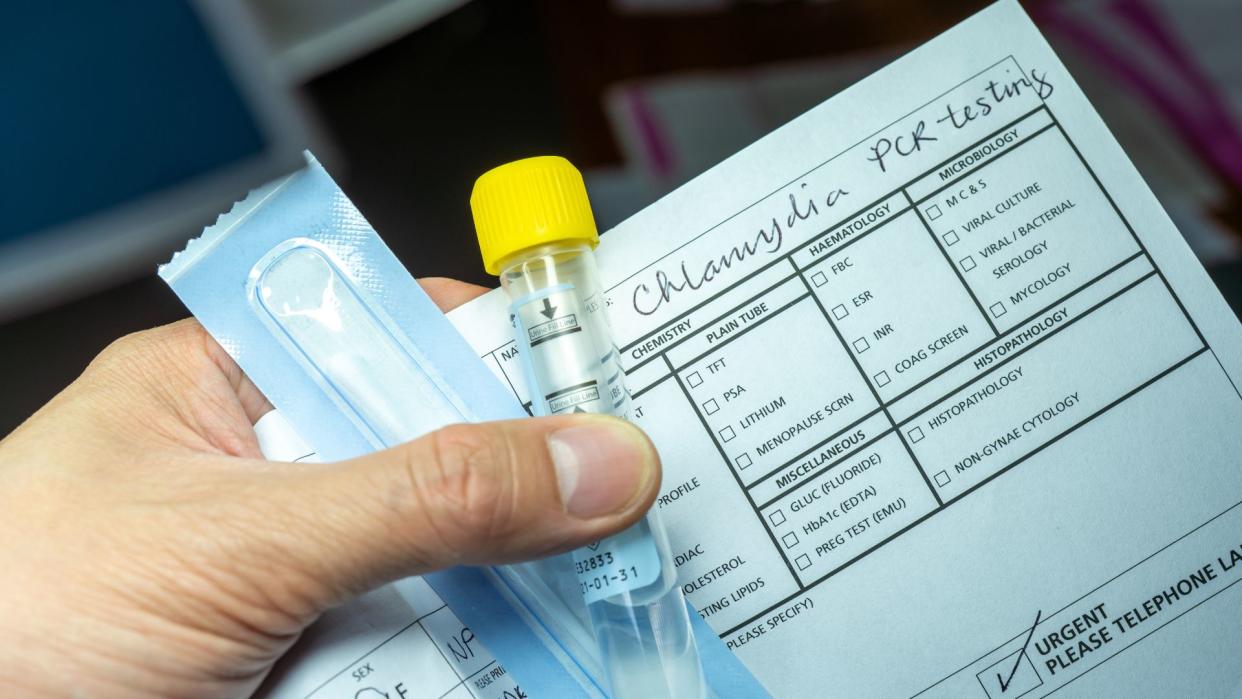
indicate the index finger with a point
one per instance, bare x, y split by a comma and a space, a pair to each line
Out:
450, 293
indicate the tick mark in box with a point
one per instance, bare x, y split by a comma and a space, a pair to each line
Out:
819, 279
881, 379
743, 461
803, 562
694, 379
968, 263
942, 479
950, 237
710, 406
840, 311
998, 309
933, 212
861, 345
916, 435
727, 433
777, 518
1011, 676
790, 540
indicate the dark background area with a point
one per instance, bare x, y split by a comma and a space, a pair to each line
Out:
414, 122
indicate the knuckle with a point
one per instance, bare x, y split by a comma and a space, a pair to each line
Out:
472, 482
123, 358
124, 347
156, 344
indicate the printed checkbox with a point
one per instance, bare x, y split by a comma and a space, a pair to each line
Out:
777, 518
942, 479
790, 540
693, 379
997, 309
1011, 676
743, 461
916, 435
950, 237
933, 212
881, 379
803, 562
840, 311
861, 345
727, 433
819, 279
968, 263
711, 406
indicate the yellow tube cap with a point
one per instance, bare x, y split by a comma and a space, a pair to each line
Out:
527, 203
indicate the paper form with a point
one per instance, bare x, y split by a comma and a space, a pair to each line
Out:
945, 404
398, 642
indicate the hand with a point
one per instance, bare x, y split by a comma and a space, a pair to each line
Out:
147, 549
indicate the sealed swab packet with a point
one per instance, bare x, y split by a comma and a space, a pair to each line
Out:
299, 289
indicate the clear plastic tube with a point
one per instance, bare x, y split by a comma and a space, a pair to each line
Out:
639, 616
361, 362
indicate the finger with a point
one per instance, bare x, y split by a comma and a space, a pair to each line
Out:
450, 293
175, 382
253, 403
471, 494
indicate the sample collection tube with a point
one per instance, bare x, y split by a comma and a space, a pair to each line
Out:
537, 233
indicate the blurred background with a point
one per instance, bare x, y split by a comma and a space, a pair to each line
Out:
127, 126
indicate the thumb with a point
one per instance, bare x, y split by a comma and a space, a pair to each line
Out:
472, 494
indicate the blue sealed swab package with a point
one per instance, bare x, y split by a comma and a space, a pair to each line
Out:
314, 307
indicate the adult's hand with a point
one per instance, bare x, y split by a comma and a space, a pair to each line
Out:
147, 549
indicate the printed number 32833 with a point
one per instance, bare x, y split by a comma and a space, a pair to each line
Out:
595, 562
